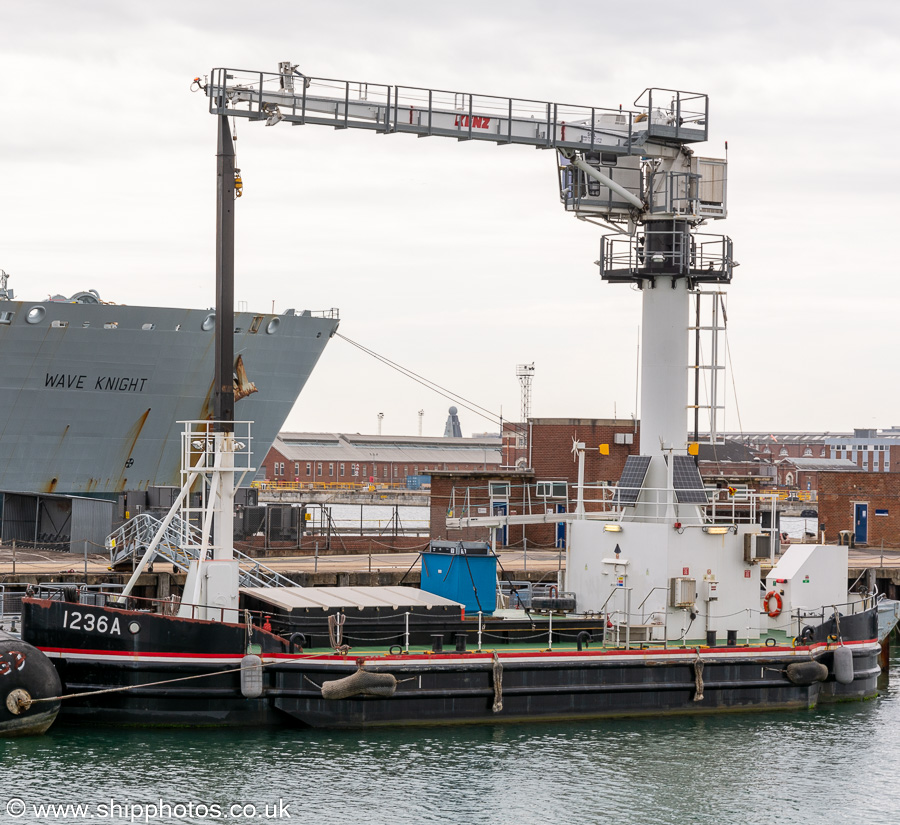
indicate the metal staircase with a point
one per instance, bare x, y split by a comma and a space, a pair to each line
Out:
180, 545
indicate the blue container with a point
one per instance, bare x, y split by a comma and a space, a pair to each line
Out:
463, 571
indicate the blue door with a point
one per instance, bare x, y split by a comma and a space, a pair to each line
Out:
861, 522
561, 528
500, 532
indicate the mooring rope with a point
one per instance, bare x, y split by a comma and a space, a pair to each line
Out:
29, 702
498, 683
698, 677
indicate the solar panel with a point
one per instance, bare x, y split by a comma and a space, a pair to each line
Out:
632, 480
688, 484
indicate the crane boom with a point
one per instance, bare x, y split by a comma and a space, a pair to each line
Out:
295, 98
631, 168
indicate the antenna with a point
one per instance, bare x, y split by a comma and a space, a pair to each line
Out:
380, 419
525, 374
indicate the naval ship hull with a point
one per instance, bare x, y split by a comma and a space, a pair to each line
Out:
91, 394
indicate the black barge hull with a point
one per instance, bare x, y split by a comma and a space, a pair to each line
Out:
171, 671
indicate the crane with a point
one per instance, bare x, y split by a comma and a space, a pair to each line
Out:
628, 170
631, 171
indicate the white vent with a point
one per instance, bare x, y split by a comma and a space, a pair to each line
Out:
758, 547
682, 591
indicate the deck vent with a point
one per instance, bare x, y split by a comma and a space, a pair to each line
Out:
682, 591
758, 547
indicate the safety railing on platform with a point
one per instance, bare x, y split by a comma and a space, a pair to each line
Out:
180, 545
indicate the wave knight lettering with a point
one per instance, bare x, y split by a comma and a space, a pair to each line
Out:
104, 383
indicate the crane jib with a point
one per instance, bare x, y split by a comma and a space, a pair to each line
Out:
461, 115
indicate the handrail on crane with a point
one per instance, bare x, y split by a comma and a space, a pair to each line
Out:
273, 97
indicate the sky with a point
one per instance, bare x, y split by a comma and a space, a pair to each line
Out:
454, 259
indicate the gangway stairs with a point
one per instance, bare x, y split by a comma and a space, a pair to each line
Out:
180, 545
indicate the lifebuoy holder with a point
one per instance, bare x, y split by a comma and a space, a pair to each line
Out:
773, 611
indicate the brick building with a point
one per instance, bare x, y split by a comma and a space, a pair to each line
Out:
867, 504
870, 449
803, 473
339, 458
549, 485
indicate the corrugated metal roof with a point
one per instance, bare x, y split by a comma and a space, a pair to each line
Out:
821, 463
336, 447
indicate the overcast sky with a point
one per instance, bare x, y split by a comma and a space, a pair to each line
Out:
456, 259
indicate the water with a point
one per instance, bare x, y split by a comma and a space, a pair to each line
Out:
376, 518
832, 766
797, 527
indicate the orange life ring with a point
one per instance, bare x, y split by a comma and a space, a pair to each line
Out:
776, 611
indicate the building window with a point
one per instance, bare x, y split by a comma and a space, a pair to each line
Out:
308, 469
783, 451
331, 470
384, 471
415, 471
354, 470
319, 469
405, 471
396, 470
296, 468
342, 470
364, 471
807, 451
822, 453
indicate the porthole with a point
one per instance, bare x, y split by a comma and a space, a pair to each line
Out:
273, 325
134, 627
209, 322
35, 315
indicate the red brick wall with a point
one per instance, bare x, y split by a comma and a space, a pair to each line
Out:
449, 500
881, 491
551, 460
272, 458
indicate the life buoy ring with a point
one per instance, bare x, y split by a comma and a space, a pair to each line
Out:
773, 611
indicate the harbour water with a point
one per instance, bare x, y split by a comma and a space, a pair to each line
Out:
833, 765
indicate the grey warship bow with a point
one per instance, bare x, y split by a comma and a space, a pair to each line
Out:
91, 392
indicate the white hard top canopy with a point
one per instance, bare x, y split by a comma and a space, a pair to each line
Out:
293, 598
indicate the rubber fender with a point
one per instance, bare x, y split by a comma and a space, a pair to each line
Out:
26, 674
843, 665
806, 673
251, 676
